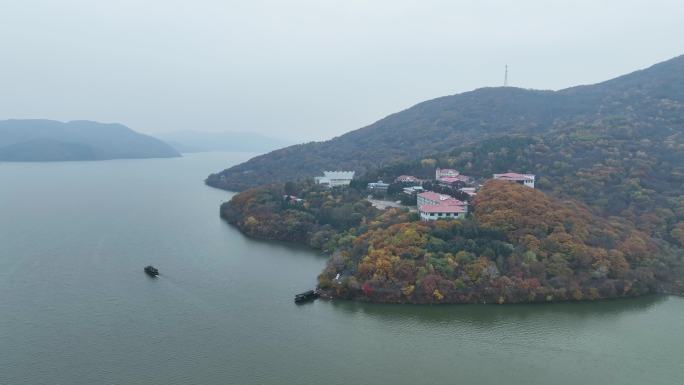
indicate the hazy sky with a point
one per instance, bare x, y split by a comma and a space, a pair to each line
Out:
306, 69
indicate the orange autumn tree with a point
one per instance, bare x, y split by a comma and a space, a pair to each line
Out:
566, 227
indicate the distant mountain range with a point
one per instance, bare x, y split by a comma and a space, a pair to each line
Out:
649, 102
199, 141
36, 140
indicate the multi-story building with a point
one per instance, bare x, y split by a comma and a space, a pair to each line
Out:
433, 206
433, 198
435, 212
378, 187
445, 173
407, 179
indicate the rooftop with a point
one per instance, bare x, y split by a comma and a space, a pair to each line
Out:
339, 174
443, 199
378, 184
452, 179
514, 176
407, 178
447, 171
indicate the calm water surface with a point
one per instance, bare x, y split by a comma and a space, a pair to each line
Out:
76, 308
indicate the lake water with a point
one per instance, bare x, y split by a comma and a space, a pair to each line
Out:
76, 307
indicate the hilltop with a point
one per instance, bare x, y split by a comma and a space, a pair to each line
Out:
35, 140
646, 104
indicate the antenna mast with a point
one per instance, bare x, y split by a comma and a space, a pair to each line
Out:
506, 76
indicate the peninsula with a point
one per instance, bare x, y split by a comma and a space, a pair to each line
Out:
498, 195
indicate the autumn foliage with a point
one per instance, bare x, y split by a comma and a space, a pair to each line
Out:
519, 246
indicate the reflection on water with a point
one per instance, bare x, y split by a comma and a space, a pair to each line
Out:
490, 314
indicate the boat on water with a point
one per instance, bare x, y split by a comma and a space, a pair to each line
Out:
306, 296
151, 271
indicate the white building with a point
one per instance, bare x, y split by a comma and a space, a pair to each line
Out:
407, 179
470, 191
335, 178
413, 190
523, 179
378, 186
292, 199
445, 173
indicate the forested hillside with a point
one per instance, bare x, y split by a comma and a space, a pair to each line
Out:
647, 104
519, 246
315, 216
620, 174
606, 220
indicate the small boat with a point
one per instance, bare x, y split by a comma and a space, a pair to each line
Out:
306, 296
151, 271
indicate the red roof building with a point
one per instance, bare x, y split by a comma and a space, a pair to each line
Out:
433, 206
453, 180
433, 198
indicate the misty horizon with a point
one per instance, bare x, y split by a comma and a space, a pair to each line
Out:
306, 71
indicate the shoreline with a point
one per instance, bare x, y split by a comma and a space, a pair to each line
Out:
391, 256
327, 296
